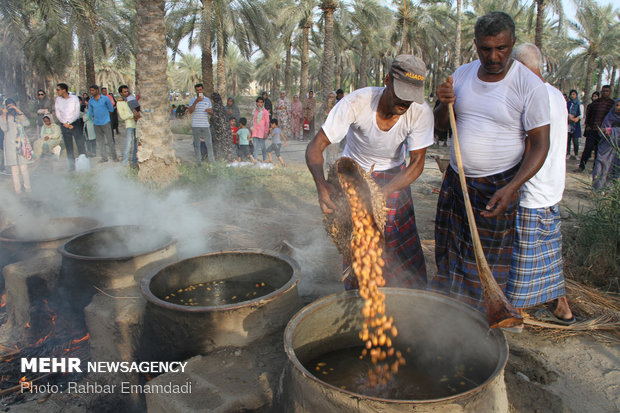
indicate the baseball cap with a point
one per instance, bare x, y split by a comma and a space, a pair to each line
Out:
408, 73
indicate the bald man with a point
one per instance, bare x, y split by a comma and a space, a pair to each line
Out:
536, 271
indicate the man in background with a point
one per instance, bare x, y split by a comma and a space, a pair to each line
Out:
536, 272
67, 109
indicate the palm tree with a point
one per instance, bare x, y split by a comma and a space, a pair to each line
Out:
328, 8
158, 162
188, 72
596, 30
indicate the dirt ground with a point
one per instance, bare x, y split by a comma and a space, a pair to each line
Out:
573, 374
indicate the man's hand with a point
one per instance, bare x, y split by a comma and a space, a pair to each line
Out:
325, 201
500, 201
445, 92
47, 138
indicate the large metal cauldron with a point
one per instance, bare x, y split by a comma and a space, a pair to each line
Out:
432, 326
19, 242
176, 331
110, 257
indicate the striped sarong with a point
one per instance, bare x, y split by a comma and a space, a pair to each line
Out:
457, 273
404, 261
536, 271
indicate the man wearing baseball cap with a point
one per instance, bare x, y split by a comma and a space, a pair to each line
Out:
381, 125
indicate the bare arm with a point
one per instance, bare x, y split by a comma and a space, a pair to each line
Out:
314, 160
537, 147
192, 107
405, 177
445, 94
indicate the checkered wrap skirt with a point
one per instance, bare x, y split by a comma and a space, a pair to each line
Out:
536, 271
404, 261
457, 273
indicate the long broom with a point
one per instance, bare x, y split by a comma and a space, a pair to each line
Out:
500, 313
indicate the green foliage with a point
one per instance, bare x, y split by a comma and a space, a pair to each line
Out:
592, 248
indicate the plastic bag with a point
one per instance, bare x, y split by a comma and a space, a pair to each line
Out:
82, 164
306, 124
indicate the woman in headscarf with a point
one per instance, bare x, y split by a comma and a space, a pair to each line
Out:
607, 162
17, 149
51, 136
574, 123
326, 107
309, 112
220, 130
297, 118
283, 114
232, 110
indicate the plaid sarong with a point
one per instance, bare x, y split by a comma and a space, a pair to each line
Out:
457, 273
536, 271
404, 261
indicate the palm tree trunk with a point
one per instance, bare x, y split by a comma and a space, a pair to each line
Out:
156, 154
338, 75
363, 69
540, 17
305, 57
378, 71
459, 24
612, 82
287, 68
599, 76
327, 71
207, 55
86, 43
221, 61
404, 46
587, 94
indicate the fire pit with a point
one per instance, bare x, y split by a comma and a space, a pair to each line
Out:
109, 257
227, 298
453, 361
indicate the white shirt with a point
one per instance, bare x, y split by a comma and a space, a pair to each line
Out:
492, 117
355, 116
545, 189
67, 110
200, 118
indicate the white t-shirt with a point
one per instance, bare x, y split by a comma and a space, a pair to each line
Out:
492, 117
355, 117
546, 187
200, 118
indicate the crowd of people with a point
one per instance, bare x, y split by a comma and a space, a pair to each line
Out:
286, 120
89, 121
515, 132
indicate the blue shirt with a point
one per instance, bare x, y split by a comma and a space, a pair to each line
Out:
100, 110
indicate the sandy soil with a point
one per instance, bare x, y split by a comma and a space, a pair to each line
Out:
574, 374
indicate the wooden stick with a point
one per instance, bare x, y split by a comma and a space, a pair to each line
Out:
500, 313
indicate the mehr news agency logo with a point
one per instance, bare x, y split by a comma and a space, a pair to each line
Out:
74, 365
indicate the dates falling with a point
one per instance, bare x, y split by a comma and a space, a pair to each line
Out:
378, 329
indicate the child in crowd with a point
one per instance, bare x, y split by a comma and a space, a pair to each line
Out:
276, 141
233, 131
243, 135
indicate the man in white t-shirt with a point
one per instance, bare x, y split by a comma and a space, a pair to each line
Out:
536, 272
200, 107
382, 124
497, 101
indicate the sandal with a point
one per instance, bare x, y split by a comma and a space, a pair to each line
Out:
547, 316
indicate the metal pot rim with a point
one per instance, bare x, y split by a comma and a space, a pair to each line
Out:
354, 294
62, 250
94, 222
290, 284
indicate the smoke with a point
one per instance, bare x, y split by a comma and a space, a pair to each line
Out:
113, 199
